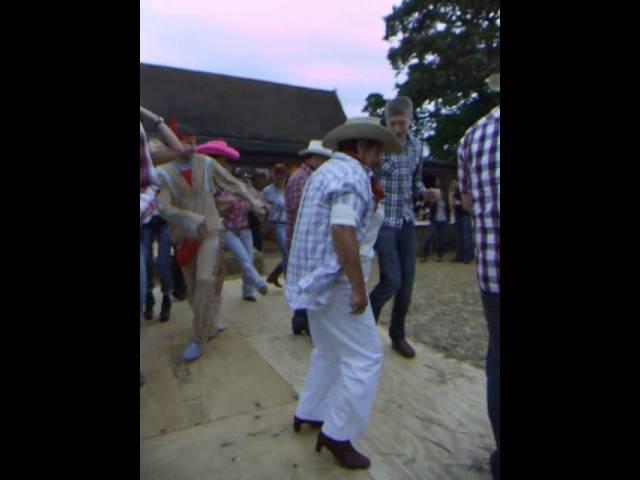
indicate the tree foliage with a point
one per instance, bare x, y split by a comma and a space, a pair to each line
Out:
446, 49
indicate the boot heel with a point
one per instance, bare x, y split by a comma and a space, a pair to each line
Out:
296, 425
319, 447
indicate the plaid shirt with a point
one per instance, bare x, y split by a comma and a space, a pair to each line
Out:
479, 173
313, 264
149, 182
237, 217
293, 195
401, 178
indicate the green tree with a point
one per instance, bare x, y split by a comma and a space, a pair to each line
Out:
446, 49
374, 105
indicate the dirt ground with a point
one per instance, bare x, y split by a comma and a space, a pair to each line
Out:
446, 310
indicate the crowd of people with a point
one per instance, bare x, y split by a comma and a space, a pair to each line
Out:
353, 196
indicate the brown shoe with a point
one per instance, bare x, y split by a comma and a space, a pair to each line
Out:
403, 348
274, 276
344, 453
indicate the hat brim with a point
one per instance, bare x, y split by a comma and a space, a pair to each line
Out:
218, 151
362, 131
316, 151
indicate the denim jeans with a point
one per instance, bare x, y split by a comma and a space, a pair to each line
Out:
396, 248
143, 279
281, 242
441, 229
240, 244
491, 306
158, 230
465, 239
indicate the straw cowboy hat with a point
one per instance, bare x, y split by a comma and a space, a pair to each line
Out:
363, 128
494, 82
218, 148
315, 148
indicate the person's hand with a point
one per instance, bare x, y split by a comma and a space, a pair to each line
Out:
262, 213
202, 230
359, 301
187, 152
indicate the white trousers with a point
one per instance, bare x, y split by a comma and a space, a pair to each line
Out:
341, 384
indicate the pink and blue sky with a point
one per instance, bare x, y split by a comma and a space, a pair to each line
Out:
330, 44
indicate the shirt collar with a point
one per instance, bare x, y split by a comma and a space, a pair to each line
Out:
349, 158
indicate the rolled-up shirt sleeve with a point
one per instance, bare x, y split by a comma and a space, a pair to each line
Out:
342, 214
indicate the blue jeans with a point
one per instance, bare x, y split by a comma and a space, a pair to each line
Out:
491, 306
441, 228
158, 229
143, 279
465, 239
396, 248
281, 242
240, 244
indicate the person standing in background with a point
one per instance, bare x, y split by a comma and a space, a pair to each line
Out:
273, 195
312, 157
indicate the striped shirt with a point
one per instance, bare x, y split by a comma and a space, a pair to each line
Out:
479, 174
313, 263
149, 182
401, 178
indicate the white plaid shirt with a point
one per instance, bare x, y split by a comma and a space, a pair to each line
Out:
479, 174
313, 264
401, 178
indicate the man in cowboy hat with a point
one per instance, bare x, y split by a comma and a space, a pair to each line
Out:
401, 179
479, 174
331, 253
187, 201
312, 157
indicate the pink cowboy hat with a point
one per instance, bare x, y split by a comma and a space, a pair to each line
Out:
218, 148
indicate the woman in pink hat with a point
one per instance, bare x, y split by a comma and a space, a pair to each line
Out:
188, 187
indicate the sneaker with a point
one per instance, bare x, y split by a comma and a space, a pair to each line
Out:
249, 298
192, 352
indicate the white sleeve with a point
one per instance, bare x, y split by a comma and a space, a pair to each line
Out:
342, 214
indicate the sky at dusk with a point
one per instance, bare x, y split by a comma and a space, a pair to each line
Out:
333, 44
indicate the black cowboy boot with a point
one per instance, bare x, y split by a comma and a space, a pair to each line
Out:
149, 302
345, 454
165, 310
298, 422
